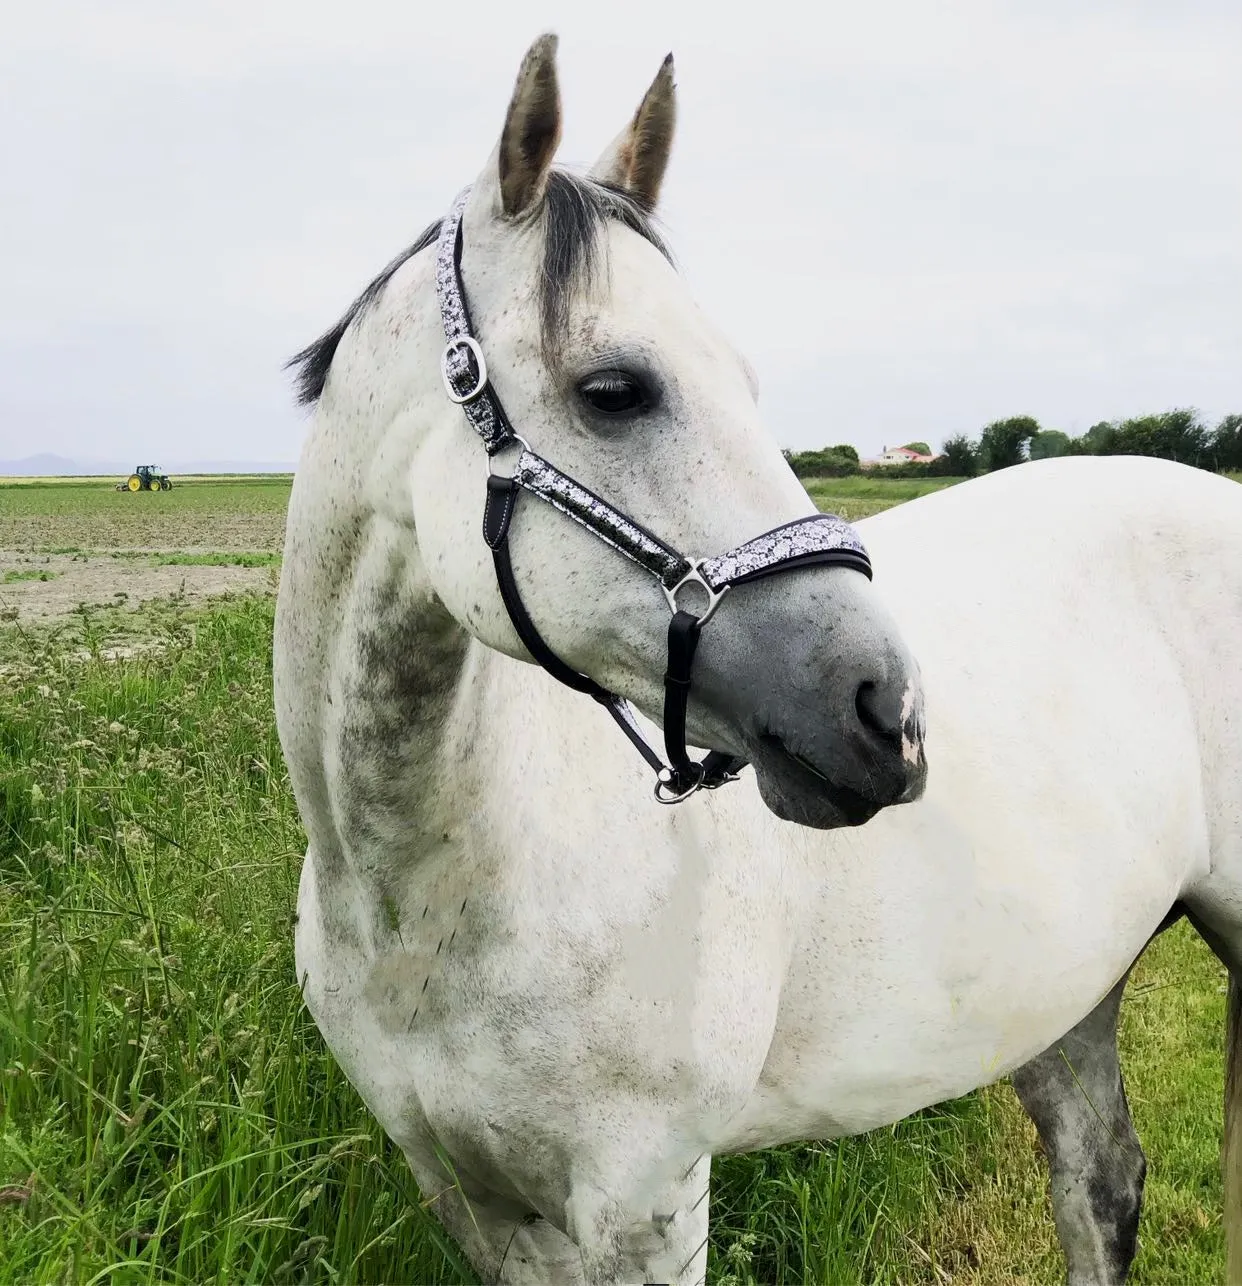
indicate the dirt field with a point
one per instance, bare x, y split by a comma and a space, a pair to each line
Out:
46, 586
66, 543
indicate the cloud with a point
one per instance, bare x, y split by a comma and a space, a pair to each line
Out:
911, 221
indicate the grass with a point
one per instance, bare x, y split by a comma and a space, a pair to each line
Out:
182, 1120
239, 559
168, 1112
26, 573
861, 496
204, 558
247, 513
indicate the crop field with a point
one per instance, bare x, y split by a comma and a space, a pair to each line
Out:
168, 1112
70, 542
77, 514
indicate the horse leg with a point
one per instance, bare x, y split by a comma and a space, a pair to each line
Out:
1074, 1094
1221, 931
503, 1242
663, 1241
608, 1241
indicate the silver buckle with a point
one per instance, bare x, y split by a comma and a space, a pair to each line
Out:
694, 577
468, 342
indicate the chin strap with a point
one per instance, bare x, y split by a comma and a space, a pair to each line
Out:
814, 541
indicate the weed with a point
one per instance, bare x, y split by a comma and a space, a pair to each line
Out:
26, 573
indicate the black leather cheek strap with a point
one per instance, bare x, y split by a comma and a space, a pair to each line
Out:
684, 631
717, 767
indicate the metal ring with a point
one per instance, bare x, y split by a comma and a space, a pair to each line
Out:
694, 577
467, 342
507, 442
664, 780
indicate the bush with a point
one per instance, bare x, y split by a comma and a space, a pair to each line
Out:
958, 459
1049, 443
1225, 448
1004, 442
1174, 435
914, 469
831, 462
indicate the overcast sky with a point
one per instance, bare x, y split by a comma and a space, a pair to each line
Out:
913, 217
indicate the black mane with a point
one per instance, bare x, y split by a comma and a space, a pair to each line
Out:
575, 212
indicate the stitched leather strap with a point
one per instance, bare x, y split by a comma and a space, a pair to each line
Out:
683, 641
614, 528
484, 410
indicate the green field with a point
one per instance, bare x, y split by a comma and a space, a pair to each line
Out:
861, 496
245, 513
168, 1112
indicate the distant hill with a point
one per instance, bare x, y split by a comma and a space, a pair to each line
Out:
36, 465
58, 466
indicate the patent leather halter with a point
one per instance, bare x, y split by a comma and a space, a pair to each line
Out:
817, 540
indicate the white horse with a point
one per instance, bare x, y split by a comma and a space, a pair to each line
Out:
561, 999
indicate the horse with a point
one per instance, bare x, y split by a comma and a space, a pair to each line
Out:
979, 784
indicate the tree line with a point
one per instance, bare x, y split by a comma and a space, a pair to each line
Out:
1172, 435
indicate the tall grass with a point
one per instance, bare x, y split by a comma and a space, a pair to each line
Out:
168, 1111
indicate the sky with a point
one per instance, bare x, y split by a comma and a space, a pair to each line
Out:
913, 218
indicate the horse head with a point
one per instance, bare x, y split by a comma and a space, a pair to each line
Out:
604, 365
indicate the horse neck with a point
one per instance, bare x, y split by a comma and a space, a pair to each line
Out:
368, 660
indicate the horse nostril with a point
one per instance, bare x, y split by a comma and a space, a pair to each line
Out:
879, 712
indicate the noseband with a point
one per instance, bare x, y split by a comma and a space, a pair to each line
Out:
815, 541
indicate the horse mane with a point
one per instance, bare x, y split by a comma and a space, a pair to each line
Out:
576, 209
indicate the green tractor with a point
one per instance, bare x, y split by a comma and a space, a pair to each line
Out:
146, 477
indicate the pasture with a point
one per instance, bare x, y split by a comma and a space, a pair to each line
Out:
167, 1110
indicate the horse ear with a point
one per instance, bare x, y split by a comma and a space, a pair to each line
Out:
520, 164
638, 156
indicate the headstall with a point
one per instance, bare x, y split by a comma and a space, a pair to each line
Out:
814, 541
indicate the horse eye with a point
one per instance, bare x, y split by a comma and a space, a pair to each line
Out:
614, 393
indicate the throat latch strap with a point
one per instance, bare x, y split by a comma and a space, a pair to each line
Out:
502, 494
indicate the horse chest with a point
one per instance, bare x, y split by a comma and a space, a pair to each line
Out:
489, 1011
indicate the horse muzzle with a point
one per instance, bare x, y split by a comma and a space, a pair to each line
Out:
823, 700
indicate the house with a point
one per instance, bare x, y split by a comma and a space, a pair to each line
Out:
900, 455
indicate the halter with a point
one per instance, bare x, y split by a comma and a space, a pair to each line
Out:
815, 541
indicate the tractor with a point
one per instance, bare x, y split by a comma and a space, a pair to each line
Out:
146, 477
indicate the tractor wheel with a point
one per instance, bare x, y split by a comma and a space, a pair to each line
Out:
155, 484
167, 483
135, 483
